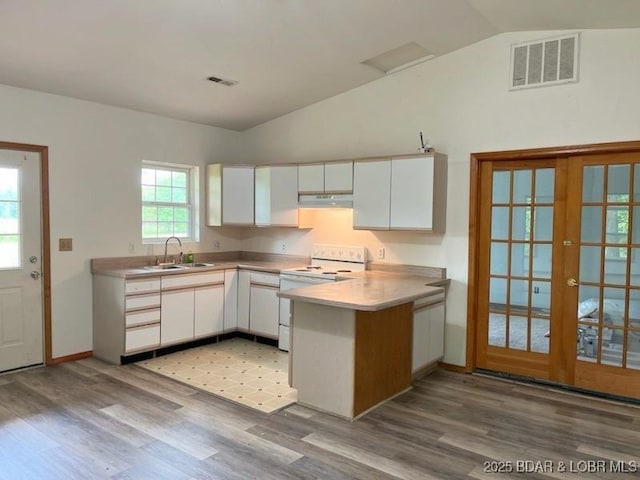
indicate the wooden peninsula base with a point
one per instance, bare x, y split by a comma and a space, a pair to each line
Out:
345, 361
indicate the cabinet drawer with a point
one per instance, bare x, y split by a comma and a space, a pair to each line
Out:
192, 279
142, 317
137, 302
141, 338
270, 279
429, 301
142, 285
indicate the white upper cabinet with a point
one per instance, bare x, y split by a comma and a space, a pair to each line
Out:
338, 177
371, 194
412, 193
230, 195
276, 191
311, 178
237, 195
330, 177
401, 194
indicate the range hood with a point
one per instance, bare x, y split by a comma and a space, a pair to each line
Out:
327, 200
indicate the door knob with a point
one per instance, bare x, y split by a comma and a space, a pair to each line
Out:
572, 282
35, 274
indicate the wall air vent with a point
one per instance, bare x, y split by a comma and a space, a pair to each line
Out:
544, 62
222, 81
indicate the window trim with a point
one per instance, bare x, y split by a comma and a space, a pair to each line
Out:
193, 182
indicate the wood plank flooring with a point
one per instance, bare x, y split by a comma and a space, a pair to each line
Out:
90, 420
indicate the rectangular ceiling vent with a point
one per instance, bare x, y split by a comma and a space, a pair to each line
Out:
544, 62
222, 81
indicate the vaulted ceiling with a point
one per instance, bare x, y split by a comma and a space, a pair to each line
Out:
155, 55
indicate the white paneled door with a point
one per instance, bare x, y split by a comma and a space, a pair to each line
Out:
21, 299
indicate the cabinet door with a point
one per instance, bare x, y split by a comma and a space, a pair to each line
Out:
311, 178
176, 316
284, 196
263, 311
338, 177
277, 196
263, 196
244, 294
412, 193
428, 335
237, 195
230, 299
371, 194
208, 310
214, 195
436, 332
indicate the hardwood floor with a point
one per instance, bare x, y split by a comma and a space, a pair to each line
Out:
90, 420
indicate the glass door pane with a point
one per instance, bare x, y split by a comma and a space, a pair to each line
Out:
522, 209
609, 266
10, 210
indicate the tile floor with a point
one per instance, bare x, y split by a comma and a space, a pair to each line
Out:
239, 370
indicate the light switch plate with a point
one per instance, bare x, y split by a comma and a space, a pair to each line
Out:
65, 244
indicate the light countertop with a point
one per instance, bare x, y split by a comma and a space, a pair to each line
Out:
369, 292
141, 272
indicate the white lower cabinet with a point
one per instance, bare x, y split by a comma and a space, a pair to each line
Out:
126, 316
142, 338
230, 322
192, 306
264, 304
263, 311
244, 293
428, 331
176, 316
208, 315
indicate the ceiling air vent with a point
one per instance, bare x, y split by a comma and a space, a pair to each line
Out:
544, 62
222, 81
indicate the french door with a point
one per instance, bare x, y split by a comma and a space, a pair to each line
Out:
558, 285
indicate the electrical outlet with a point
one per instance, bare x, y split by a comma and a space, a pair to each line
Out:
283, 247
381, 253
65, 244
132, 248
216, 244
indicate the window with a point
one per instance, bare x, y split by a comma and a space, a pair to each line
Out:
10, 235
169, 205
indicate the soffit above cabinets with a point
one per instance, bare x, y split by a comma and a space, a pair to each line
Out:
156, 55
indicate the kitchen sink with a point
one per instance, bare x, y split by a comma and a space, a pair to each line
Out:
197, 264
164, 267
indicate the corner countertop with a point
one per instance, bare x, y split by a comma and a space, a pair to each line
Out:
141, 272
368, 292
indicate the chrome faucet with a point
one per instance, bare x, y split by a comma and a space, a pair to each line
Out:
166, 243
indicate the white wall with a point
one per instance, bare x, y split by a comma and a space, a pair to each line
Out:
94, 164
462, 104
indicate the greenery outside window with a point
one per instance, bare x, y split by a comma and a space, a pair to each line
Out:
169, 202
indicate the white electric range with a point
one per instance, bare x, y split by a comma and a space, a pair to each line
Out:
327, 262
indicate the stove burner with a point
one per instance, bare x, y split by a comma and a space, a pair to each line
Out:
343, 271
329, 273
